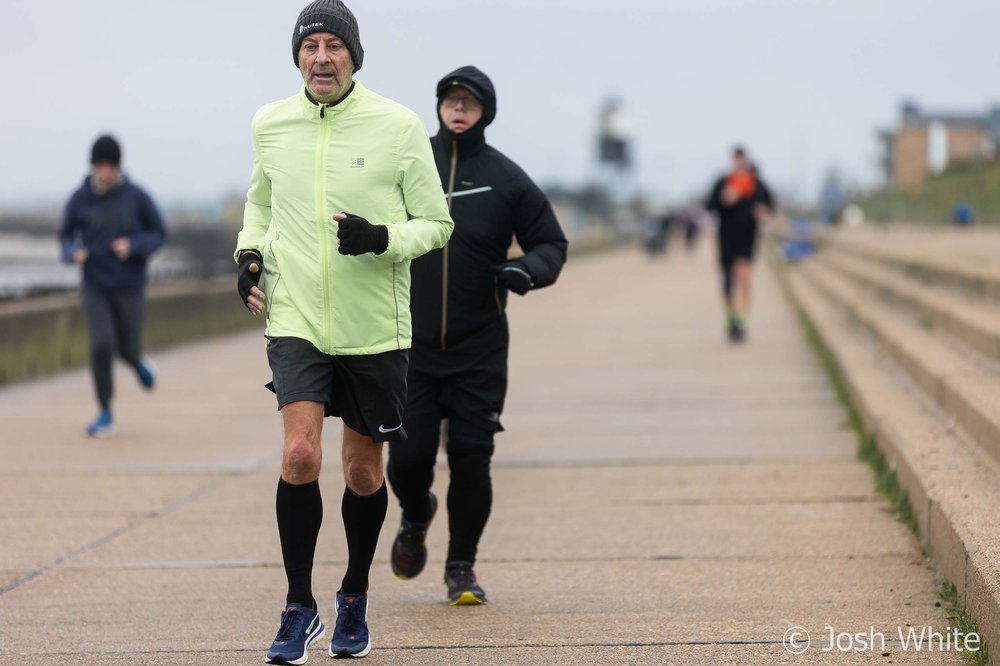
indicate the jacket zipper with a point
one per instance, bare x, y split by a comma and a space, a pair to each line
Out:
444, 251
324, 228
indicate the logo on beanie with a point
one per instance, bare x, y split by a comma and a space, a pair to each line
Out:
303, 28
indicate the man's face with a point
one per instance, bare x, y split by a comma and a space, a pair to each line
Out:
460, 109
326, 66
740, 162
105, 175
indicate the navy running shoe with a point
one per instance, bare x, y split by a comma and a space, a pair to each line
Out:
350, 636
102, 426
146, 372
463, 590
300, 627
409, 550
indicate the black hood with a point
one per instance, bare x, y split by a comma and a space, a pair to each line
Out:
472, 79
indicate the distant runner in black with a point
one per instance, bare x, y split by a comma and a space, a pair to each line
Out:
458, 363
741, 200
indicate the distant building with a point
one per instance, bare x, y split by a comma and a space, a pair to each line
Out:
909, 151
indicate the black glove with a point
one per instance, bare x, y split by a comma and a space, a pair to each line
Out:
515, 277
358, 236
251, 266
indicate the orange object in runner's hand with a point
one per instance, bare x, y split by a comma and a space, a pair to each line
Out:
742, 183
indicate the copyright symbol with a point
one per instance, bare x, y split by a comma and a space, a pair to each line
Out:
796, 640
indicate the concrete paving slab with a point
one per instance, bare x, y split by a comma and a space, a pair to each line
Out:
716, 484
658, 655
8, 576
234, 523
150, 436
28, 493
738, 654
30, 543
523, 533
678, 601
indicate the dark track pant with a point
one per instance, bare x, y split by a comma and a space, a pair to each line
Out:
466, 385
114, 323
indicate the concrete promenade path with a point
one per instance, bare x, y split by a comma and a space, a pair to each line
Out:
661, 497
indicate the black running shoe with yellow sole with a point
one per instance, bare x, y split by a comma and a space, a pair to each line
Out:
409, 550
463, 590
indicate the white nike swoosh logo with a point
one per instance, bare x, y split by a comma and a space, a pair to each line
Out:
381, 429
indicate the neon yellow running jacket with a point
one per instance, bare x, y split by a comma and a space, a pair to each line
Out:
365, 155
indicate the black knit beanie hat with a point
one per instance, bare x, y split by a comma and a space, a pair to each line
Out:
106, 149
331, 16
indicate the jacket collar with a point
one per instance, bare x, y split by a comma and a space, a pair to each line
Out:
314, 110
470, 142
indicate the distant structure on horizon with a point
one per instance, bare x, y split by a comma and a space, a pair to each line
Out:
925, 143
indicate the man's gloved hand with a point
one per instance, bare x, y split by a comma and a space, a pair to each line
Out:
251, 267
359, 236
515, 277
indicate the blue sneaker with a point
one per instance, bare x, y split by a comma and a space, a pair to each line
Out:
102, 426
299, 627
146, 372
350, 636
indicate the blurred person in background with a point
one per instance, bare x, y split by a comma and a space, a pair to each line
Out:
741, 201
111, 227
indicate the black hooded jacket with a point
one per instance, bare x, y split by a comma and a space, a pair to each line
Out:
454, 291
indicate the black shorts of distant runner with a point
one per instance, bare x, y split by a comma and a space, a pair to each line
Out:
737, 242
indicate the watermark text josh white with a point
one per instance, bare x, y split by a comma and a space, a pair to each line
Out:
910, 639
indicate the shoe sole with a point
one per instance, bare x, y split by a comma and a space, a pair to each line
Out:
305, 653
342, 652
400, 575
102, 433
467, 599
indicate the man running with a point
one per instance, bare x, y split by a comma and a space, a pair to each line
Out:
343, 195
740, 199
111, 227
458, 364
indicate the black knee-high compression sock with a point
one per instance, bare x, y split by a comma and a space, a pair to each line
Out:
363, 518
300, 514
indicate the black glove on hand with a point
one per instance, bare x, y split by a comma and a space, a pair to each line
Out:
248, 274
358, 236
514, 276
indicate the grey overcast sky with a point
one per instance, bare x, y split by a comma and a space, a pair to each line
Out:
804, 84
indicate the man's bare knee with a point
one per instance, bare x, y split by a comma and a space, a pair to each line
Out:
362, 478
302, 454
362, 462
301, 461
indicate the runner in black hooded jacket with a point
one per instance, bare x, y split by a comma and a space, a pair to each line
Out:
458, 363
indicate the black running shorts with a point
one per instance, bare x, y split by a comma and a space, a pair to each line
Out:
737, 241
368, 392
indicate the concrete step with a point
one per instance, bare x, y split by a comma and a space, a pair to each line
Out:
966, 387
974, 322
953, 485
962, 274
